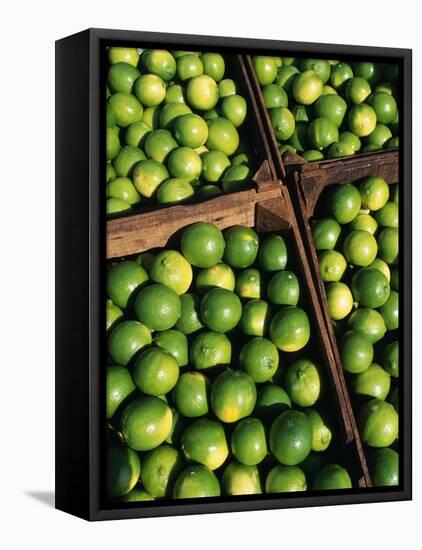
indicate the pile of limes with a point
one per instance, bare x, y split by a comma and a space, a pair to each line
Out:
358, 244
211, 383
173, 123
328, 109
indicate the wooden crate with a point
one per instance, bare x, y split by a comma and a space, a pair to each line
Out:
306, 182
267, 209
290, 161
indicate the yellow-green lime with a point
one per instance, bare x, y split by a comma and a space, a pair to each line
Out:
202, 92
265, 69
360, 248
248, 284
240, 479
307, 87
112, 143
210, 349
188, 66
369, 323
123, 55
388, 215
113, 314
185, 163
150, 89
214, 164
374, 192
126, 108
205, 442
321, 433
362, 120
159, 470
171, 112
302, 382
285, 479
222, 136
170, 268
136, 134
174, 190
373, 382
220, 275
332, 266
283, 123
195, 482
379, 423
339, 300
121, 77
255, 320
364, 222
126, 159
148, 175
191, 130
160, 63
234, 109
289, 329
123, 189
159, 144
233, 395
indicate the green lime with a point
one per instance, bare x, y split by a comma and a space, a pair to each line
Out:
388, 245
289, 329
368, 71
233, 395
234, 109
379, 423
265, 69
160, 63
286, 148
126, 108
255, 318
332, 266
380, 135
325, 232
388, 215
374, 192
214, 65
248, 442
344, 203
357, 90
271, 401
117, 206
328, 90
119, 385
158, 307
188, 66
390, 311
239, 479
123, 55
394, 399
274, 96
123, 188
286, 76
259, 358
383, 267
362, 120
174, 190
339, 299
150, 90
283, 289
320, 66
178, 426
126, 159
123, 281
307, 87
283, 122
127, 338
391, 359
332, 476
236, 178
202, 244
226, 88
272, 254
122, 470
214, 164
299, 138
160, 468
136, 134
301, 113
394, 278
189, 321
155, 371
360, 248
364, 222
185, 163
210, 349
374, 382
351, 139
248, 284
209, 191
159, 144
113, 314
322, 133
241, 246
202, 92
136, 495
148, 175
290, 437
196, 481
175, 94
191, 130
340, 74
340, 149
220, 275
302, 382
332, 107
311, 155
204, 441
170, 113
369, 323
384, 105
221, 310
170, 268
222, 136
356, 352
285, 479
384, 468
146, 422
191, 394
176, 343
321, 433
112, 144
370, 287
145, 259
121, 77
110, 172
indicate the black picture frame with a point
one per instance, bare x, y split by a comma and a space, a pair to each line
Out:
80, 257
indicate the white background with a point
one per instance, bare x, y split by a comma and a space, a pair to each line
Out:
28, 31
